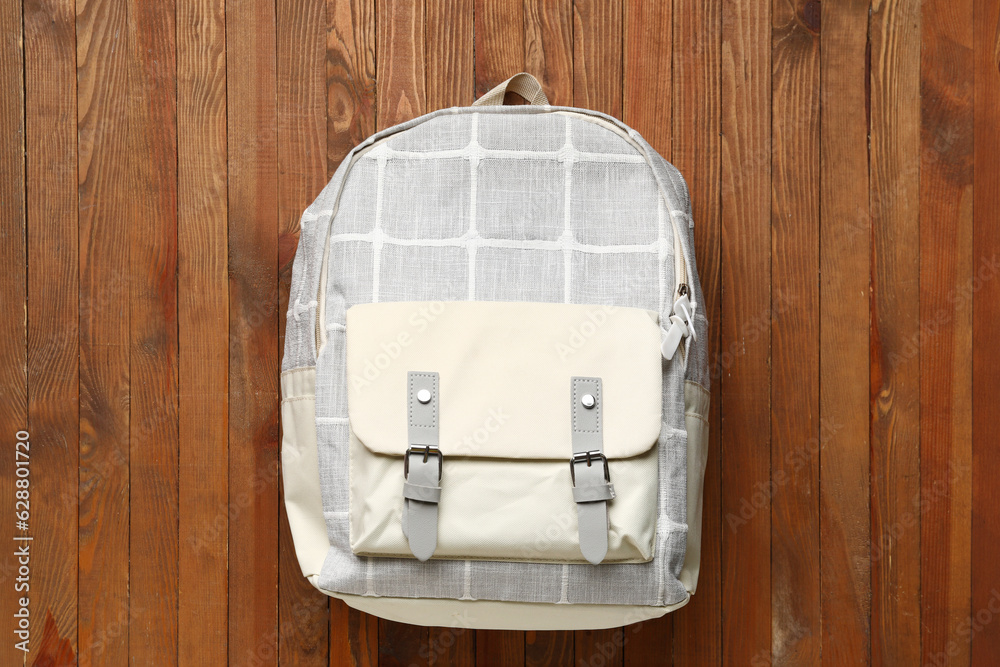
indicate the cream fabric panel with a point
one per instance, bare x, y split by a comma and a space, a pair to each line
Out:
505, 372
696, 404
300, 470
490, 615
502, 509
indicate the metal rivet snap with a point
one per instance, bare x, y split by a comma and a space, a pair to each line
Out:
588, 401
424, 396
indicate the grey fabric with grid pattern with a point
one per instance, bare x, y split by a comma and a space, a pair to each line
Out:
505, 204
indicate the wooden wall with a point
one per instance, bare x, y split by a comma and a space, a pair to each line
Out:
844, 164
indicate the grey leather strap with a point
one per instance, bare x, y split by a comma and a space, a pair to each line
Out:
423, 465
592, 488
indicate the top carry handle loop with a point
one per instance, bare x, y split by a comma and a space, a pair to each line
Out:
523, 84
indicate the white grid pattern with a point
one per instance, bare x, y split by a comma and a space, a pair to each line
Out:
471, 240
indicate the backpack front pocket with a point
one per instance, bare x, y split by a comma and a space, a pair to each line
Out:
503, 431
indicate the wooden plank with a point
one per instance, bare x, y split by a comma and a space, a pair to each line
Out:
649, 642
895, 364
52, 331
796, 433
983, 619
745, 332
845, 255
499, 41
350, 86
13, 289
350, 118
648, 72
499, 50
695, 150
450, 81
549, 648
104, 332
400, 62
451, 78
254, 359
499, 648
303, 612
597, 84
600, 647
353, 637
946, 83
402, 644
401, 96
548, 47
451, 646
350, 77
13, 341
647, 106
597, 55
153, 435
203, 324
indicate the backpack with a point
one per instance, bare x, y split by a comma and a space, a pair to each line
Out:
495, 382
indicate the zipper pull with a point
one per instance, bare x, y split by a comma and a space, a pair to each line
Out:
681, 326
672, 339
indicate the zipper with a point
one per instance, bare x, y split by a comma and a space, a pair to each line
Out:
682, 290
320, 334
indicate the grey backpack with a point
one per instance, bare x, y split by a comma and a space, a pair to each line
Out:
494, 386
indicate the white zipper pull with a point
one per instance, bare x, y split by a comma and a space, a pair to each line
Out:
681, 325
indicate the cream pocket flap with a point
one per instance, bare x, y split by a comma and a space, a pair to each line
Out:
505, 371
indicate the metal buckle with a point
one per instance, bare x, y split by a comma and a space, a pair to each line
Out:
587, 457
427, 450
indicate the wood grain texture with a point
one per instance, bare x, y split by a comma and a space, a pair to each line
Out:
155, 159
600, 647
353, 637
153, 336
946, 154
696, 151
13, 342
649, 642
500, 648
499, 41
52, 329
746, 315
13, 283
451, 646
350, 77
401, 96
648, 72
796, 431
203, 322
403, 645
895, 361
451, 78
845, 240
548, 47
303, 612
549, 648
350, 114
597, 55
400, 61
104, 332
597, 84
254, 360
450, 82
647, 106
500, 53
982, 627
